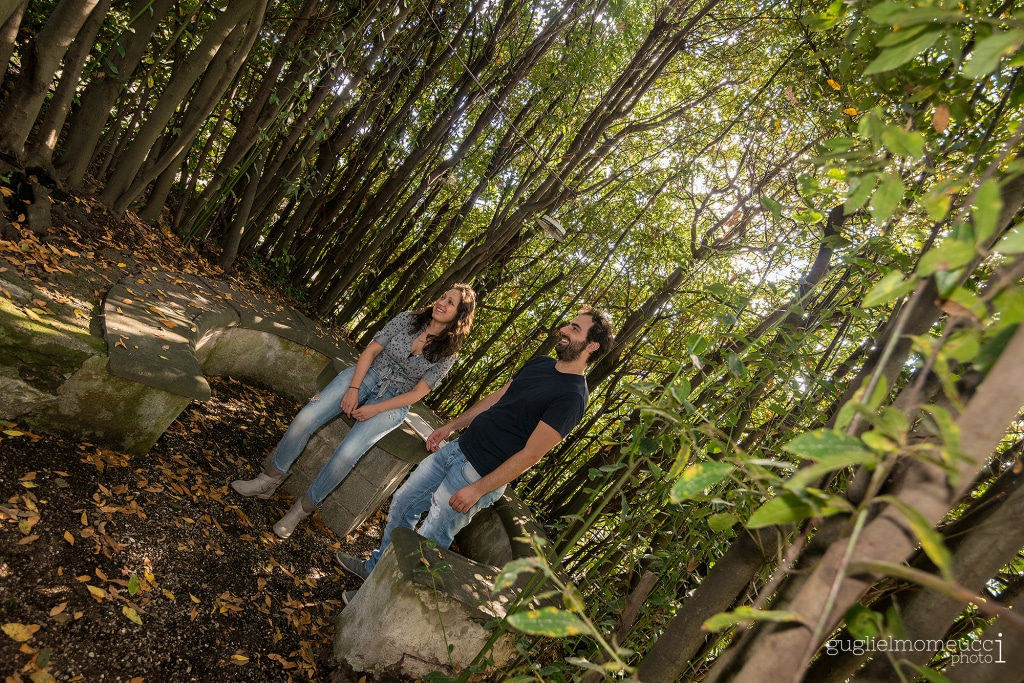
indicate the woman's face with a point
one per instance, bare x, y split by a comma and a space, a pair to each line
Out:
447, 307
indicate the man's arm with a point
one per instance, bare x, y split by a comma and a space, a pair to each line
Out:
542, 440
463, 420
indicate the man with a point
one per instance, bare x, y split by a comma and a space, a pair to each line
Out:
506, 433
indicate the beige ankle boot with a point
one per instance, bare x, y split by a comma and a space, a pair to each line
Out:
262, 486
303, 508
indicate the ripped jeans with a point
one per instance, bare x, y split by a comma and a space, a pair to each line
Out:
429, 487
323, 408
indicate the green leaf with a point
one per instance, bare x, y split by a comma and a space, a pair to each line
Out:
906, 17
860, 189
722, 521
736, 366
863, 623
989, 51
931, 540
949, 255
900, 37
789, 507
513, 569
772, 206
891, 286
547, 621
883, 12
696, 344
1012, 242
133, 584
806, 476
892, 57
887, 197
744, 614
879, 442
902, 142
892, 423
825, 443
988, 204
698, 477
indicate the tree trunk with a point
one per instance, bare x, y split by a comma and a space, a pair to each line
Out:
123, 185
74, 63
87, 123
11, 12
39, 65
234, 236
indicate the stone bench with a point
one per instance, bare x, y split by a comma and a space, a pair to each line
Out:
420, 600
166, 332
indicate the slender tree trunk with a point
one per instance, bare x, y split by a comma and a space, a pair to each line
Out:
234, 236
11, 12
87, 121
39, 65
74, 63
124, 184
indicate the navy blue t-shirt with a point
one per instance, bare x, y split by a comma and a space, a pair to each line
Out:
538, 393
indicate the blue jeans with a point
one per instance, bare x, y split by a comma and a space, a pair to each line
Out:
429, 487
323, 408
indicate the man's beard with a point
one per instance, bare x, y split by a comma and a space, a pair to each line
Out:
571, 351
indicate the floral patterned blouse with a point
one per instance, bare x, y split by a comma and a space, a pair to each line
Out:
398, 366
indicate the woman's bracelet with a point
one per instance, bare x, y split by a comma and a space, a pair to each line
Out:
353, 387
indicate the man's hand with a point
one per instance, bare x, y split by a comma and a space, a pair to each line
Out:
437, 436
465, 498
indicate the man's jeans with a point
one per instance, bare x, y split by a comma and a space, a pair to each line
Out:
323, 408
429, 487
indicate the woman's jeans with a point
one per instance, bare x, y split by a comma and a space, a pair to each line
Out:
429, 487
323, 408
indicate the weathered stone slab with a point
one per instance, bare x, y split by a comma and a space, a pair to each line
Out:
404, 618
264, 359
392, 626
95, 406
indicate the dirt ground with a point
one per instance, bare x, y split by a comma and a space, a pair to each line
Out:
117, 568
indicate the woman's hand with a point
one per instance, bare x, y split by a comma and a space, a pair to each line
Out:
349, 402
365, 412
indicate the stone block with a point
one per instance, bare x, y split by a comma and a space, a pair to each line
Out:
95, 406
264, 359
403, 619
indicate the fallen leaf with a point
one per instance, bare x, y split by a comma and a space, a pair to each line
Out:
28, 539
69, 538
20, 632
58, 609
240, 660
168, 594
97, 593
131, 614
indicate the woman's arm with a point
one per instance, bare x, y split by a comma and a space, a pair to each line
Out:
366, 411
350, 401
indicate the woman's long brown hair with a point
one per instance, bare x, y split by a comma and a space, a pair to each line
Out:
454, 333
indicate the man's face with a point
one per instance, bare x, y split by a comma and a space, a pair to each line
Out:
573, 338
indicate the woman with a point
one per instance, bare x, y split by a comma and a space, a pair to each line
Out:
405, 360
